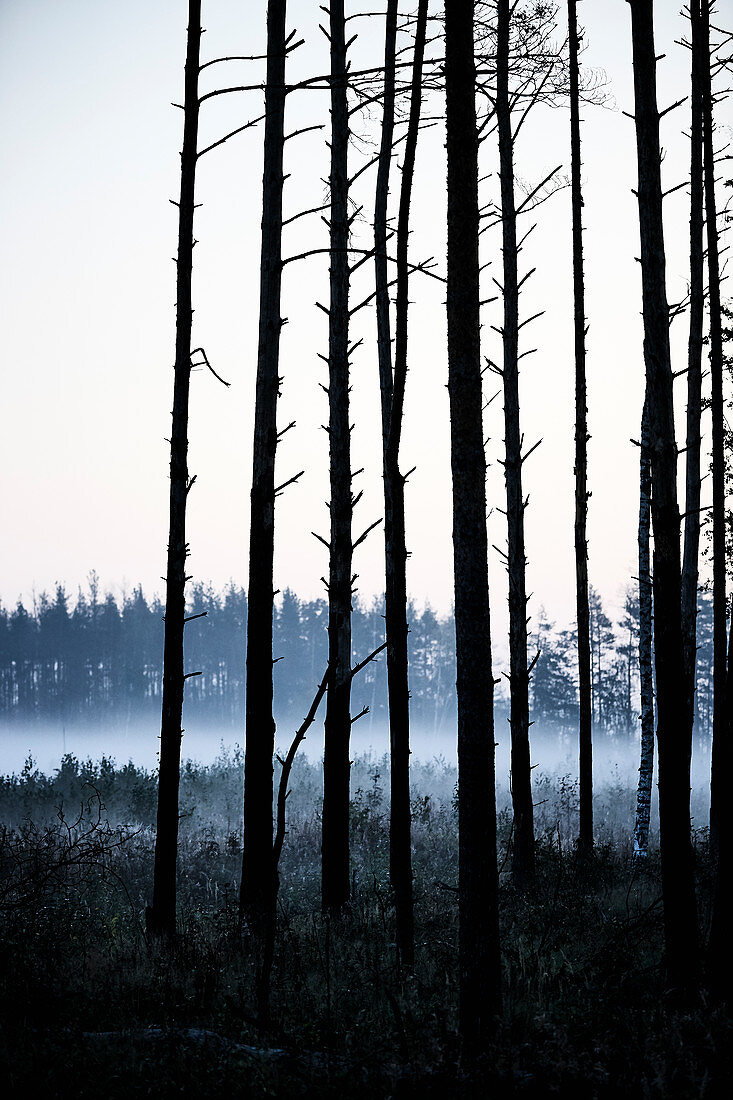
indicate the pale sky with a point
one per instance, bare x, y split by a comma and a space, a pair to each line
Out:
90, 159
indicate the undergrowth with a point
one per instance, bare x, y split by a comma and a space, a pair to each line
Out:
91, 1007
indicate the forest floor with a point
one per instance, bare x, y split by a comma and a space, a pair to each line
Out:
90, 1007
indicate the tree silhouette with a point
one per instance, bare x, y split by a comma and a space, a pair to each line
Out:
523, 850
585, 838
673, 730
478, 945
257, 870
690, 560
162, 914
335, 879
392, 388
720, 755
646, 645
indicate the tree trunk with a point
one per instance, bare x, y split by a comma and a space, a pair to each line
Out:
381, 208
585, 839
392, 392
257, 869
718, 780
646, 655
720, 952
335, 885
479, 961
396, 620
162, 915
673, 729
523, 853
690, 558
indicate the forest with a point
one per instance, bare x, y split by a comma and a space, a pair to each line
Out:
392, 926
102, 657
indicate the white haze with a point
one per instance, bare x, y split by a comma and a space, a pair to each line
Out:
616, 760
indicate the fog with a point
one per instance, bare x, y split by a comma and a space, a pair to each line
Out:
554, 757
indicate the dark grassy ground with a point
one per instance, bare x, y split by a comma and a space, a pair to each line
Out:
90, 1008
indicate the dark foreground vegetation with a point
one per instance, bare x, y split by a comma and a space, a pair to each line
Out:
92, 1007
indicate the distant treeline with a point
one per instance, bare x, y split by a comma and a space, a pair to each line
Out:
95, 656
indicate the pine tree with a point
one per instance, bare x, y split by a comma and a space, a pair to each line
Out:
478, 945
162, 915
673, 730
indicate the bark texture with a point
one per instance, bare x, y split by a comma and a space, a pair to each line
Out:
585, 839
335, 884
674, 732
162, 915
523, 850
646, 649
257, 863
478, 950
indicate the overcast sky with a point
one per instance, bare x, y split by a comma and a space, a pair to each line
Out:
90, 160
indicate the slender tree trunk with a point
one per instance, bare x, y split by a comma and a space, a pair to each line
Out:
646, 657
585, 839
395, 619
600, 680
523, 854
629, 705
479, 961
593, 677
690, 567
381, 267
400, 813
257, 868
718, 780
335, 885
392, 390
720, 953
162, 915
673, 729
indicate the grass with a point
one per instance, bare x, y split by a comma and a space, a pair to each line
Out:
90, 1007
